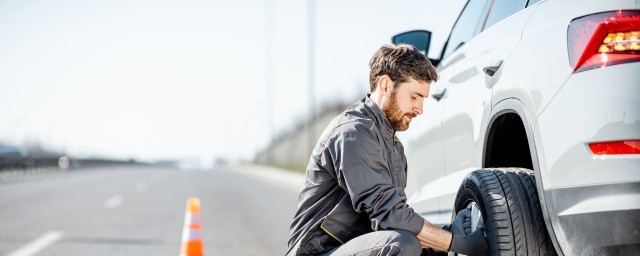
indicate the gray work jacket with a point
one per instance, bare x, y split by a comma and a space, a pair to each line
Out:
354, 183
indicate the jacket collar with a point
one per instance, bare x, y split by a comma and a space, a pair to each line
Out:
380, 118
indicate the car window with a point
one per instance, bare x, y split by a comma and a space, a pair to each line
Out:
467, 26
502, 9
532, 2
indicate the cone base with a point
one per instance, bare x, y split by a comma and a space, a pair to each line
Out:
193, 248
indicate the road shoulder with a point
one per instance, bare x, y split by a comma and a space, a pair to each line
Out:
288, 179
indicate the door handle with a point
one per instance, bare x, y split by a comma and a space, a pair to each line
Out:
491, 69
439, 93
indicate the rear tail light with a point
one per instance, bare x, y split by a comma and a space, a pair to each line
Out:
604, 39
615, 147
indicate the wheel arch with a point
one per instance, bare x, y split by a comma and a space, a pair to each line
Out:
514, 107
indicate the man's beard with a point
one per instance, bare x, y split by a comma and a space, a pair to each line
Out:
395, 115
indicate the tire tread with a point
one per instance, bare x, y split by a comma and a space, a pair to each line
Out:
511, 209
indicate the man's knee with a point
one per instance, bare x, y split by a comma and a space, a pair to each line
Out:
406, 241
387, 242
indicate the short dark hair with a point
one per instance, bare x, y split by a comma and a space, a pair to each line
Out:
400, 62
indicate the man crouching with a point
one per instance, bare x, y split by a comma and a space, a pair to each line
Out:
353, 200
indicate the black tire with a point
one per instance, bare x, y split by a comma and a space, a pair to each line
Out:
508, 201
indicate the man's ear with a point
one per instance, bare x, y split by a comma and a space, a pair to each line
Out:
384, 84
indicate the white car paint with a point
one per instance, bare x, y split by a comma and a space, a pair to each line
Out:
563, 112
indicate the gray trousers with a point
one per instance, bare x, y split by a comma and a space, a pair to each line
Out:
385, 242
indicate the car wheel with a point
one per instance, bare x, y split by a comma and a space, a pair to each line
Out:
505, 202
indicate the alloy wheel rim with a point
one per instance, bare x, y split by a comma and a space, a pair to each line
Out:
476, 217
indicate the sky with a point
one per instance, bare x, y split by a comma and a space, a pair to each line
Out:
154, 80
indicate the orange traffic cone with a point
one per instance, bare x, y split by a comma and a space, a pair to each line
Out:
191, 235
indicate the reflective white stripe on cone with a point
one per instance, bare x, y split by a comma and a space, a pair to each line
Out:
191, 234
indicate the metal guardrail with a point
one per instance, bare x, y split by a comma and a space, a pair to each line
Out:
12, 167
26, 163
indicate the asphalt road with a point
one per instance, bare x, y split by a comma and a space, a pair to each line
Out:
133, 210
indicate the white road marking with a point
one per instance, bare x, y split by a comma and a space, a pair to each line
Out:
38, 245
113, 201
141, 186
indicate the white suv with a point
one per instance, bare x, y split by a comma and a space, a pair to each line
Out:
534, 123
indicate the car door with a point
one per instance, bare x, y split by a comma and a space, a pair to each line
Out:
468, 90
425, 161
425, 150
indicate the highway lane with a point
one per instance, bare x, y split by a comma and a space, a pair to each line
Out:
133, 210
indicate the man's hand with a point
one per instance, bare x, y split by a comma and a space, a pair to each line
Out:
473, 244
459, 240
463, 242
461, 225
467, 225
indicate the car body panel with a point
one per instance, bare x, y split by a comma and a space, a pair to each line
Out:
436, 190
603, 105
538, 89
561, 111
468, 95
466, 100
424, 129
597, 219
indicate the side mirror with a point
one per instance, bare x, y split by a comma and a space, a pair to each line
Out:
421, 39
